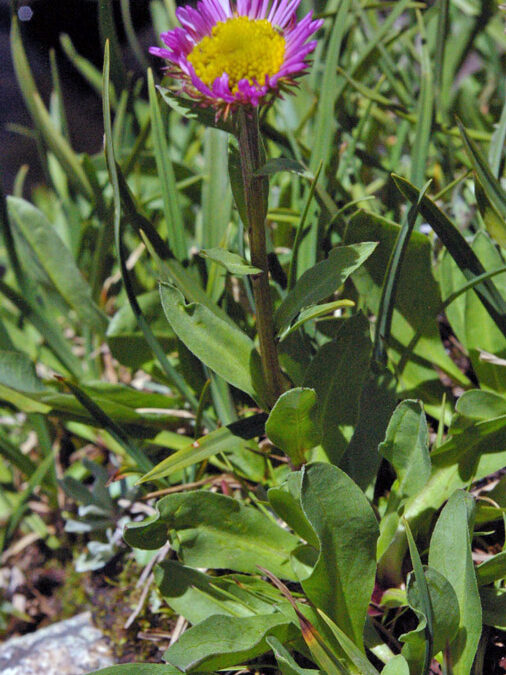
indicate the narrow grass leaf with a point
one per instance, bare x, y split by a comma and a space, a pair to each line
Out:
175, 378
391, 282
53, 338
494, 222
141, 460
487, 179
88, 71
13, 454
42, 120
496, 151
355, 655
286, 662
225, 439
108, 33
424, 597
424, 112
57, 261
460, 251
172, 211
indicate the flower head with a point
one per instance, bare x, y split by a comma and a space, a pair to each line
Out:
226, 55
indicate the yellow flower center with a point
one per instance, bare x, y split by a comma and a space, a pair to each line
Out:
243, 48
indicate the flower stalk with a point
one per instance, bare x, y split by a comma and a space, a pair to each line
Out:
255, 196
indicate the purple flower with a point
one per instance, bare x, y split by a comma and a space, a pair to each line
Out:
227, 55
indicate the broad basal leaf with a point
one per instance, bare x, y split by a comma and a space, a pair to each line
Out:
216, 532
342, 581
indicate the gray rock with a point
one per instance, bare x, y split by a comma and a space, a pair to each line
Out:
71, 647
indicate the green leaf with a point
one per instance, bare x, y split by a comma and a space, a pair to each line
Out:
460, 251
494, 222
321, 281
18, 372
13, 454
224, 348
92, 75
232, 262
285, 500
424, 111
376, 403
172, 212
315, 312
114, 174
337, 374
196, 596
406, 447
224, 641
445, 616
494, 607
450, 554
54, 140
351, 650
422, 604
493, 569
342, 580
488, 181
100, 416
227, 438
127, 342
479, 406
417, 303
217, 532
56, 260
286, 662
18, 382
108, 33
389, 288
273, 166
216, 193
396, 666
496, 148
292, 425
140, 669
470, 320
459, 461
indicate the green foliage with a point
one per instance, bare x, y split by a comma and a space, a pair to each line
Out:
129, 334
291, 425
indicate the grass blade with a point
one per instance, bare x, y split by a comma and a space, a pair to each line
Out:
487, 179
424, 110
142, 462
107, 29
389, 290
460, 251
173, 216
496, 151
175, 378
424, 597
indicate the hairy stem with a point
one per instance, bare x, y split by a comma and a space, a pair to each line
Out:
255, 194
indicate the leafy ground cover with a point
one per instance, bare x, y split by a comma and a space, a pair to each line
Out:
352, 524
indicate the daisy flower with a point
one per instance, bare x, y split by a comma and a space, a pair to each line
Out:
228, 55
